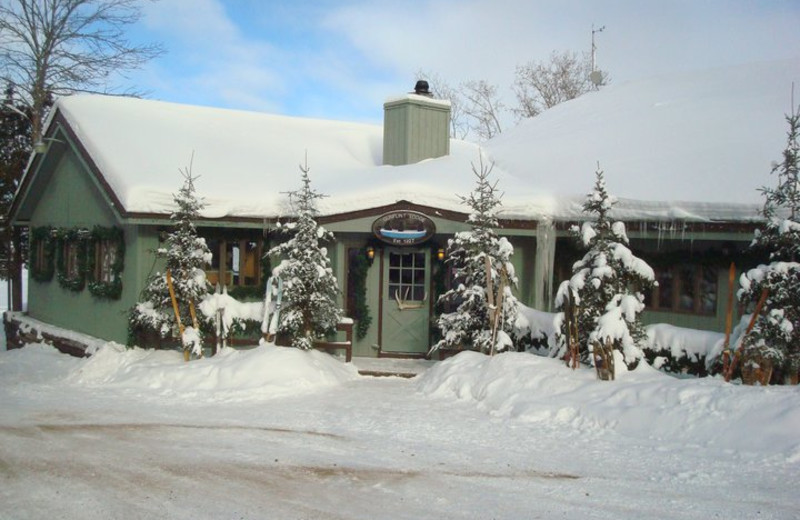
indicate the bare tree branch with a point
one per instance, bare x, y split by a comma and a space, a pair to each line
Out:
59, 47
459, 126
483, 107
542, 85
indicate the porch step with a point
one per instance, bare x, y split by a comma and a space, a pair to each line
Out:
387, 367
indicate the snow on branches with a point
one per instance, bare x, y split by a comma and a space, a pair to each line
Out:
308, 310
772, 349
469, 325
185, 256
605, 292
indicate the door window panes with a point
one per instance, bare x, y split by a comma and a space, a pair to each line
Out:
407, 276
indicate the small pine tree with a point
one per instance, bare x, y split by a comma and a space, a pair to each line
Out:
308, 307
774, 341
469, 325
606, 286
186, 255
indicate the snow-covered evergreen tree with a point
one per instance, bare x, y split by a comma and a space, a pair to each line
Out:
775, 338
469, 325
606, 285
308, 307
186, 255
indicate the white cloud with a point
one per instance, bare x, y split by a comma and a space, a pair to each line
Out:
330, 58
488, 38
210, 60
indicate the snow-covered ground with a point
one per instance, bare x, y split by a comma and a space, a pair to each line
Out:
280, 433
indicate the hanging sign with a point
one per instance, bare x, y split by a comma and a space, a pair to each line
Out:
403, 228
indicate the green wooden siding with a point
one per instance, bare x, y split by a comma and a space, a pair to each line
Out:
72, 200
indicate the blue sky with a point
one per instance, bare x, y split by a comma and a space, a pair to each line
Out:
342, 59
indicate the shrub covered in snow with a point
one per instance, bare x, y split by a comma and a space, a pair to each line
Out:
605, 290
186, 256
537, 331
308, 308
469, 325
680, 350
774, 343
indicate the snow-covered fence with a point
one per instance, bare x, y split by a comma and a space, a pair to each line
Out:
229, 314
345, 325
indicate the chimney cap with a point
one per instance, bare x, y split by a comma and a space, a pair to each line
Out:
422, 88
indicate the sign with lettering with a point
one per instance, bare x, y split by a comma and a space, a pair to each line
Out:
403, 228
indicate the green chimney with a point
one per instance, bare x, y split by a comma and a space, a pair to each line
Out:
415, 127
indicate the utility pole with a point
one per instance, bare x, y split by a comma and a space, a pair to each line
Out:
595, 76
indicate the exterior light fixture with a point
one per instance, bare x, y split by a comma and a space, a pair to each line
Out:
440, 254
370, 252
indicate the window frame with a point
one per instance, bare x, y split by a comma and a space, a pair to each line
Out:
677, 289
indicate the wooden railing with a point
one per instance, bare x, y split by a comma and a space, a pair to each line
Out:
346, 326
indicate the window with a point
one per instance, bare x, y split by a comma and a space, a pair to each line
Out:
40, 264
71, 266
42, 251
407, 276
688, 288
234, 262
106, 252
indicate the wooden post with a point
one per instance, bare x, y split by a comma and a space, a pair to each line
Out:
16, 270
177, 313
726, 350
571, 324
753, 318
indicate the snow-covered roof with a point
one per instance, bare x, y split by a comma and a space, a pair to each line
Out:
706, 139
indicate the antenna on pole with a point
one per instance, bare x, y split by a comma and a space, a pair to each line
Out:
595, 76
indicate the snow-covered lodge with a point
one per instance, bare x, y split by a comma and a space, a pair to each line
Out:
685, 156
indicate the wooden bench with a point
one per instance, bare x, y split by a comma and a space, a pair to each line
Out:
346, 326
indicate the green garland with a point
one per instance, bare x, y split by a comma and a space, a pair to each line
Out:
359, 266
79, 237
111, 290
439, 282
42, 234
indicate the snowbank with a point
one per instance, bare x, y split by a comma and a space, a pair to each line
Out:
643, 403
38, 363
263, 372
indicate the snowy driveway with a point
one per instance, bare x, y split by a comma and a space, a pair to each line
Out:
369, 448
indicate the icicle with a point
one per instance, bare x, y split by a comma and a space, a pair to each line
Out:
544, 266
658, 240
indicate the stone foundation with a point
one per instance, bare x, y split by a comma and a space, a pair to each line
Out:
21, 330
